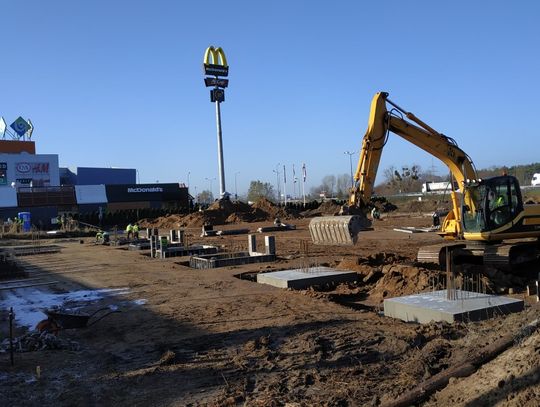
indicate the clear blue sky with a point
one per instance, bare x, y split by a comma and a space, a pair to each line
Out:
120, 83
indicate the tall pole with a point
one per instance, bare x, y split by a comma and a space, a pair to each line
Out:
216, 67
277, 183
350, 154
188, 179
284, 185
235, 187
304, 192
304, 174
221, 167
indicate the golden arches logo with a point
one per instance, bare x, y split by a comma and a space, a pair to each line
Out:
215, 62
218, 56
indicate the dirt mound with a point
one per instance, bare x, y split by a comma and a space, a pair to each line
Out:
424, 206
163, 222
269, 208
328, 208
221, 213
418, 206
266, 209
398, 280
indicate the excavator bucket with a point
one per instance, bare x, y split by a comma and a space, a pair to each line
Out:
337, 230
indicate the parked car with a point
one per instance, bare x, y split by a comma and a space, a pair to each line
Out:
535, 180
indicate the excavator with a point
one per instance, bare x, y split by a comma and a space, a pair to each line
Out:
487, 215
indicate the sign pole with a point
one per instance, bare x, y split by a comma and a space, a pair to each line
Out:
220, 153
215, 65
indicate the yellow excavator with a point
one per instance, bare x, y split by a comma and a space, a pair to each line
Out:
485, 215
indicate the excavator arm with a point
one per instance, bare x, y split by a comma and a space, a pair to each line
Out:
384, 120
487, 212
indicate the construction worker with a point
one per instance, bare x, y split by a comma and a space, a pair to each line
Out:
500, 201
375, 214
129, 230
135, 231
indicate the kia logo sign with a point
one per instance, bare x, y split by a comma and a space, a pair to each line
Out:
23, 168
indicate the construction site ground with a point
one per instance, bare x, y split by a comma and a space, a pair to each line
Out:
208, 337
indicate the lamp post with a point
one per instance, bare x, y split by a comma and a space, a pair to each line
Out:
188, 179
277, 182
350, 154
235, 187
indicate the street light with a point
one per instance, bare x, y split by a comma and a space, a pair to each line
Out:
277, 182
235, 188
350, 154
189, 172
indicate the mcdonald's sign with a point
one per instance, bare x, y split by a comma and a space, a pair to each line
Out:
215, 62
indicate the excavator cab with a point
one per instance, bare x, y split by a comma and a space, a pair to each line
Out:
493, 203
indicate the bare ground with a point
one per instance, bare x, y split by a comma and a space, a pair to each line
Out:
206, 337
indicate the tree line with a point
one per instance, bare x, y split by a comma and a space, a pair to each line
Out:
396, 180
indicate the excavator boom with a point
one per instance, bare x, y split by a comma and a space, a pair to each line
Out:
484, 213
387, 117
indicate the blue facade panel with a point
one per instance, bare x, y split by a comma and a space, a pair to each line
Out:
108, 176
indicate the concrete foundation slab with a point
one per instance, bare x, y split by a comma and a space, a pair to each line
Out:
186, 251
434, 306
300, 279
228, 259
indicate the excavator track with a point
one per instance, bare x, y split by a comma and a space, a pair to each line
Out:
436, 253
504, 256
507, 256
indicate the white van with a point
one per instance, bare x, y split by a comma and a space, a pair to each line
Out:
535, 180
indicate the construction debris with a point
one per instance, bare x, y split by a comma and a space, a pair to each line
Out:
278, 228
35, 341
411, 229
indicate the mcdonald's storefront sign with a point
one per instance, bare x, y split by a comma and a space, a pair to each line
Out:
215, 62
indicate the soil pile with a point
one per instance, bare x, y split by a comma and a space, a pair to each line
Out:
222, 213
269, 211
163, 222
328, 208
424, 206
398, 280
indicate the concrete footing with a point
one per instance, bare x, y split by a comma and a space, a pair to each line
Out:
140, 245
30, 250
300, 279
434, 306
238, 258
172, 251
228, 259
